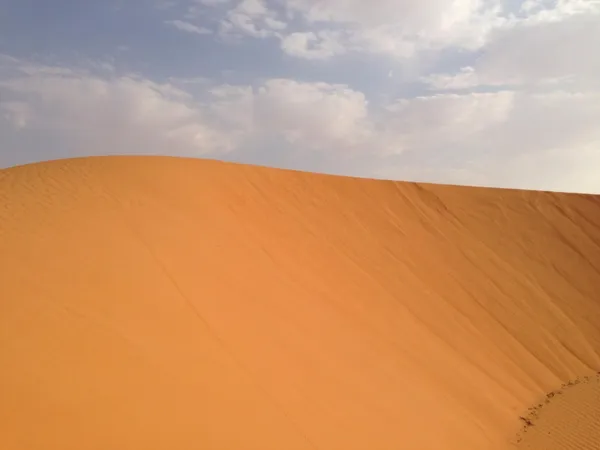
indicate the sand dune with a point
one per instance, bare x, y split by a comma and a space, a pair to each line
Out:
165, 303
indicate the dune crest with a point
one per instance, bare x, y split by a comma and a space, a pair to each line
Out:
170, 303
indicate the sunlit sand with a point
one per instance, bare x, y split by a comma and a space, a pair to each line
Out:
155, 303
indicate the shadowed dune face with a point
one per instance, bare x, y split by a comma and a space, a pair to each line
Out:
163, 303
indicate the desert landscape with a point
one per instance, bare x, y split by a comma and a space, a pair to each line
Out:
172, 303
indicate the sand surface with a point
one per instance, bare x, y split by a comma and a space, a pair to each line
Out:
568, 418
163, 303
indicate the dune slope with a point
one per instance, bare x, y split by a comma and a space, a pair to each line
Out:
165, 303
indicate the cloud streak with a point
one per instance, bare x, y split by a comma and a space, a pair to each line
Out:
188, 27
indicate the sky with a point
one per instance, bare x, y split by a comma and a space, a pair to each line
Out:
500, 93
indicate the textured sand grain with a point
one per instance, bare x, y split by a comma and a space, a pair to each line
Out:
165, 303
568, 418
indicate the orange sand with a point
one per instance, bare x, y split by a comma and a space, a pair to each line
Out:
156, 303
568, 418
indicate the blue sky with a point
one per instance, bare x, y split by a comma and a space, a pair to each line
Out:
480, 92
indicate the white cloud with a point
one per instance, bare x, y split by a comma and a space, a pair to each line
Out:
321, 29
123, 114
545, 55
442, 120
309, 45
96, 115
233, 106
518, 138
556, 10
401, 28
188, 27
17, 113
555, 50
316, 115
253, 8
252, 18
510, 139
275, 24
313, 116
464, 79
